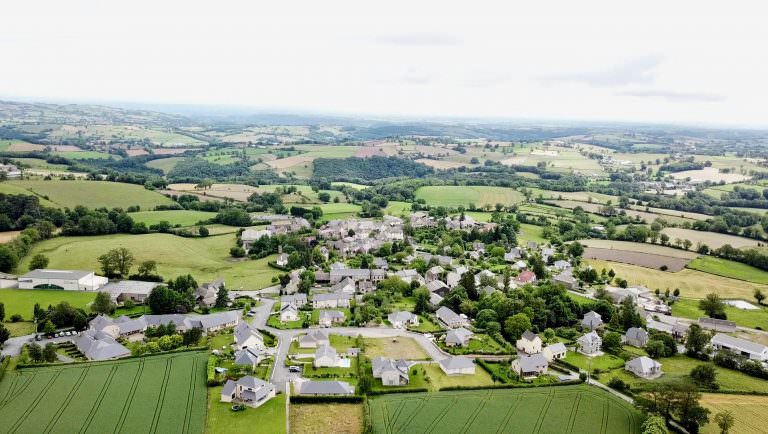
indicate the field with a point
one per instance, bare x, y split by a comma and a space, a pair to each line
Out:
530, 232
175, 217
566, 409
692, 283
269, 418
654, 249
712, 239
22, 301
204, 258
455, 196
747, 410
338, 211
164, 164
326, 418
648, 260
8, 236
726, 268
648, 217
440, 164
404, 348
241, 192
349, 184
710, 174
757, 318
92, 194
438, 380
159, 394
397, 208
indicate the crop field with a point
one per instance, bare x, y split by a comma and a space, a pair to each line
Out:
159, 394
712, 239
726, 268
648, 260
204, 258
326, 418
581, 196
241, 192
710, 174
455, 196
629, 246
92, 194
440, 164
692, 283
174, 217
22, 301
748, 410
566, 409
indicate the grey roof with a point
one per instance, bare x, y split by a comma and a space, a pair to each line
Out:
436, 285
129, 286
56, 274
458, 336
738, 343
530, 336
400, 316
636, 333
557, 348
7, 276
448, 315
229, 388
435, 298
218, 319
332, 296
325, 351
96, 345
246, 357
331, 314
381, 365
644, 363
243, 331
533, 362
326, 388
299, 299
314, 336
456, 363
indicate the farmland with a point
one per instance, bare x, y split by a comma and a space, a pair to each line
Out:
747, 411
710, 174
596, 208
322, 418
712, 239
567, 409
726, 268
757, 318
648, 260
455, 196
628, 246
241, 192
93, 194
175, 217
164, 164
154, 394
204, 258
22, 301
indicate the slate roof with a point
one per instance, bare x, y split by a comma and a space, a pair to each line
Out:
457, 336
326, 388
533, 362
738, 343
459, 362
644, 363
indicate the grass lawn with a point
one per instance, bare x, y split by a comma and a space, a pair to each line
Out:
745, 318
326, 418
478, 344
338, 211
341, 373
274, 321
726, 268
438, 379
398, 208
174, 217
315, 317
426, 325
573, 409
204, 258
162, 393
22, 301
21, 328
455, 196
269, 418
604, 362
748, 411
401, 348
93, 194
221, 341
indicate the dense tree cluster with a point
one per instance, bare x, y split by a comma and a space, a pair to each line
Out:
351, 169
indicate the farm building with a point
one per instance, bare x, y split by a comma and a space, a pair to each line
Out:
529, 343
530, 366
70, 280
457, 366
718, 325
134, 290
752, 350
248, 390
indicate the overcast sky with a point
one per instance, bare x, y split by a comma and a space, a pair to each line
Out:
671, 61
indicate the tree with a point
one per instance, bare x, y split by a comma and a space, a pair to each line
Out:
725, 421
575, 249
713, 306
612, 342
422, 300
759, 296
48, 327
163, 300
103, 304
202, 231
222, 297
192, 336
38, 261
2, 312
364, 384
8, 259
324, 196
35, 352
654, 425
147, 268
49, 353
696, 341
705, 376
4, 334
628, 315
467, 281
116, 262
516, 325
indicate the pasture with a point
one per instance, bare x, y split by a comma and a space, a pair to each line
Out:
464, 195
629, 246
204, 258
440, 164
174, 217
726, 268
757, 318
22, 301
91, 194
748, 411
595, 208
158, 394
710, 174
713, 239
566, 409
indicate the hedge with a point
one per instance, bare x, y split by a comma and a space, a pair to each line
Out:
211, 372
511, 386
388, 391
341, 399
567, 365
6, 360
274, 265
177, 350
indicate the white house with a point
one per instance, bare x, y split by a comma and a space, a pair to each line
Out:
248, 390
450, 318
314, 339
752, 350
530, 366
326, 357
644, 367
458, 337
331, 300
70, 280
592, 320
392, 373
529, 343
248, 357
402, 319
457, 366
328, 318
590, 343
555, 351
297, 300
247, 337
288, 313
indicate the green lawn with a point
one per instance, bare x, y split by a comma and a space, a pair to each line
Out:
455, 196
269, 418
604, 362
338, 211
204, 258
164, 164
398, 208
438, 379
478, 344
746, 318
163, 393
426, 325
174, 217
92, 194
726, 268
22, 301
566, 409
21, 328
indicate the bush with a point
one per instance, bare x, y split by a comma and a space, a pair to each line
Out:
16, 318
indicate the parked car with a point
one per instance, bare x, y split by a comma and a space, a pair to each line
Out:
295, 369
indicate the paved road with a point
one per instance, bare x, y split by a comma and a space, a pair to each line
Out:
12, 347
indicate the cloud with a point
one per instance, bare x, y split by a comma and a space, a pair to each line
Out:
418, 39
671, 95
636, 71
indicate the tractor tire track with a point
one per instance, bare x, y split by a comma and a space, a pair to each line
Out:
129, 399
34, 403
67, 400
99, 399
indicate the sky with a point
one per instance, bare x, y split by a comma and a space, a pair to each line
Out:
689, 62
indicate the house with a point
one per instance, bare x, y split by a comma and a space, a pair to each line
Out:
134, 290
519, 265
434, 273
298, 300
250, 236
288, 313
555, 351
458, 337
561, 265
392, 373
206, 294
484, 274
248, 357
347, 286
749, 349
513, 255
326, 357
454, 277
314, 339
381, 263
331, 300
636, 337
401, 319
529, 343
589, 344
99, 345
282, 260
450, 318
69, 280
591, 321
328, 318
530, 366
717, 325
409, 275
566, 279
248, 390
315, 388
525, 277
457, 366
439, 287
532, 245
644, 367
124, 326
339, 274
247, 337
435, 299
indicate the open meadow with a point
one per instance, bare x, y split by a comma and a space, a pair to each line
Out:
649, 260
92, 194
268, 418
22, 301
464, 195
158, 394
566, 409
748, 411
712, 239
726, 268
204, 258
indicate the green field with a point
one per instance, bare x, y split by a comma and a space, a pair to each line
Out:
464, 195
350, 185
746, 318
92, 194
175, 217
530, 232
267, 419
85, 155
159, 394
398, 208
22, 301
164, 164
204, 258
338, 211
726, 268
566, 409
